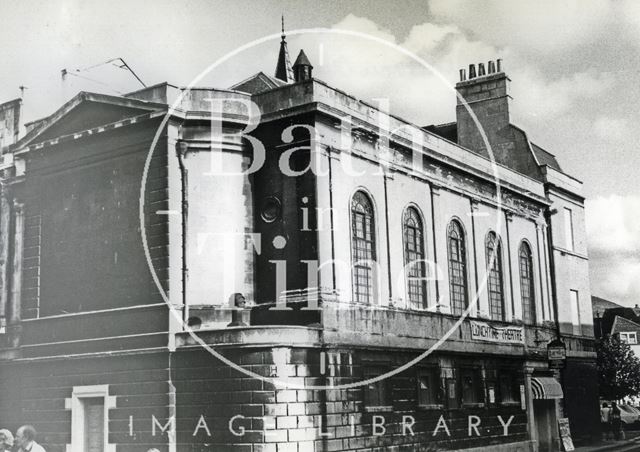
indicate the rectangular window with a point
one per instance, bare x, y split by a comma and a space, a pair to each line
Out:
629, 338
575, 312
509, 388
377, 395
89, 407
568, 229
471, 386
93, 424
429, 387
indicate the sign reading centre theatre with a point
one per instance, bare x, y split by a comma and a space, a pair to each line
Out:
481, 331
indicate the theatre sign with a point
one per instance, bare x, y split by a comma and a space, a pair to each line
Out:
482, 331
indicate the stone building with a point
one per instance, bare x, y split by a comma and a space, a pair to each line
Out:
403, 281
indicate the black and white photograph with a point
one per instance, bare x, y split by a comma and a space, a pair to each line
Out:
319, 226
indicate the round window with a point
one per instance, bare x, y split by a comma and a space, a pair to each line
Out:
270, 209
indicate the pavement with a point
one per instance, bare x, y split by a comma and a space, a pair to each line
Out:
631, 443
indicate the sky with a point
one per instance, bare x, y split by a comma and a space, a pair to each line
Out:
574, 66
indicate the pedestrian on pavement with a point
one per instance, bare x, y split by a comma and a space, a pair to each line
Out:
6, 440
605, 421
26, 440
616, 421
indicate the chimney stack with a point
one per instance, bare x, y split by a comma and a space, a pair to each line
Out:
487, 96
463, 75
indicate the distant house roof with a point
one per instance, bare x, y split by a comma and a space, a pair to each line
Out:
599, 305
622, 325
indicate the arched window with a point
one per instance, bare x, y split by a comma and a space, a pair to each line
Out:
495, 277
414, 258
526, 284
457, 267
363, 247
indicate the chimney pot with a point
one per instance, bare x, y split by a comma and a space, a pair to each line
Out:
492, 67
472, 71
463, 75
499, 65
481, 69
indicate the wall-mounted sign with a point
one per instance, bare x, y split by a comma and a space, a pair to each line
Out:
481, 331
556, 353
523, 400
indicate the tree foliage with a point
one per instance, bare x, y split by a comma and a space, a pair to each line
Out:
618, 369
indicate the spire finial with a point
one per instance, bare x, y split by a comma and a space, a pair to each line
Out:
283, 68
283, 35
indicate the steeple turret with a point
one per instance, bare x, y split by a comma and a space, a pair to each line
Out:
283, 68
302, 68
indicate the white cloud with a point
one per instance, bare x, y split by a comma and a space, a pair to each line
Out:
611, 129
613, 234
538, 97
368, 69
612, 224
540, 26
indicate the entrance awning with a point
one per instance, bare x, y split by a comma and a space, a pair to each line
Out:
546, 388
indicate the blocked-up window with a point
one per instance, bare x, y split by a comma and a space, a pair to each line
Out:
89, 407
575, 311
568, 229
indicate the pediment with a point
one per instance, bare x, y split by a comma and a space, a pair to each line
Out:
86, 111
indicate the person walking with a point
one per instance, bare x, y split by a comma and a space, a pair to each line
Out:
605, 421
6, 440
26, 440
616, 421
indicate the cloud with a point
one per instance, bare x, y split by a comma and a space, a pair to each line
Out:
541, 26
613, 234
538, 97
368, 70
611, 129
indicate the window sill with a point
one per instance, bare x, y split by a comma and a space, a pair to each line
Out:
378, 409
473, 405
509, 403
437, 406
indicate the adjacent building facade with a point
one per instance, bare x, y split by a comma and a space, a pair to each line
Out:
403, 281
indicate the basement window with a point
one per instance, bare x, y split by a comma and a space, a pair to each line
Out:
471, 386
377, 395
429, 391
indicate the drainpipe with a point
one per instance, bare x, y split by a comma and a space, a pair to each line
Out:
552, 269
181, 150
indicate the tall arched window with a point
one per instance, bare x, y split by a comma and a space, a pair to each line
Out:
495, 276
414, 258
363, 247
457, 267
527, 290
